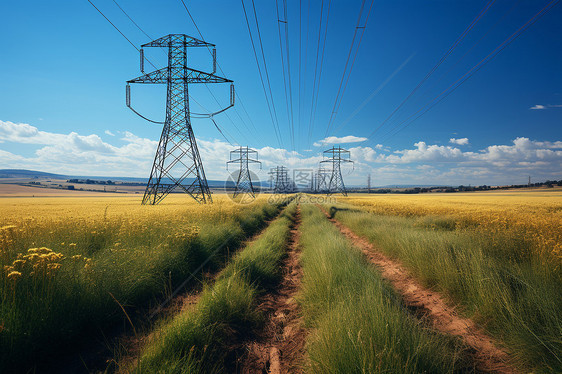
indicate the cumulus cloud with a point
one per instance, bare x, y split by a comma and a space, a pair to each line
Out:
130, 155
75, 153
127, 155
493, 164
342, 140
461, 141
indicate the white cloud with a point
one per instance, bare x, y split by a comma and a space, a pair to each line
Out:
77, 154
107, 132
342, 140
424, 152
461, 141
131, 155
495, 164
538, 106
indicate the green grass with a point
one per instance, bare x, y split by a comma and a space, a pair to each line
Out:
200, 339
500, 283
39, 317
357, 323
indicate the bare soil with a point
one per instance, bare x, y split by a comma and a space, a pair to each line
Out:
279, 347
431, 306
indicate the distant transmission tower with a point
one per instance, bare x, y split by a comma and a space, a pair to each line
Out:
281, 182
322, 179
369, 183
244, 181
335, 156
177, 163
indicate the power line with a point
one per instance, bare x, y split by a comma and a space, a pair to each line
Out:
134, 23
354, 57
220, 68
265, 66
321, 69
288, 49
287, 94
306, 52
316, 88
151, 38
218, 65
426, 93
441, 60
116, 28
336, 103
437, 99
138, 50
374, 93
315, 69
261, 75
300, 63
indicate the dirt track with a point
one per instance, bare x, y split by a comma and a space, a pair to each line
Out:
280, 346
487, 355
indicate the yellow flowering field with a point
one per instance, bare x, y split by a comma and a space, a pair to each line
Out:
535, 214
64, 223
69, 262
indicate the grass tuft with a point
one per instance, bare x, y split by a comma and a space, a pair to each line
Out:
358, 324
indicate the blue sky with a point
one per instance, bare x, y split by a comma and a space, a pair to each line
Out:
63, 71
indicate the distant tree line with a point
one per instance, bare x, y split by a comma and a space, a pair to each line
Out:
461, 188
105, 183
91, 181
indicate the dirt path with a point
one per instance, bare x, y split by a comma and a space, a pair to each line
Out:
133, 344
280, 348
488, 357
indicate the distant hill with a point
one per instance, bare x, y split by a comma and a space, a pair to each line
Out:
410, 186
20, 173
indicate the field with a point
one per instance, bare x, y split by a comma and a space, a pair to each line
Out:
288, 286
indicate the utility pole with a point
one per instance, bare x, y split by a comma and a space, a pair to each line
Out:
335, 156
244, 181
369, 183
177, 163
529, 184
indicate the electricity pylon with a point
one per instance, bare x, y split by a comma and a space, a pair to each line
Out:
244, 181
177, 163
335, 156
281, 182
321, 180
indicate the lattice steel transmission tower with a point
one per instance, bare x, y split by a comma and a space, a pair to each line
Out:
321, 180
335, 156
281, 181
177, 163
244, 180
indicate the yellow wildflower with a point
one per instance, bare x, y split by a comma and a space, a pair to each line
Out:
14, 275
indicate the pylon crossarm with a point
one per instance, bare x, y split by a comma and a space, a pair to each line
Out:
196, 76
160, 76
157, 76
174, 39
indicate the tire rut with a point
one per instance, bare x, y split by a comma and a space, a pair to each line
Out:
431, 306
279, 348
134, 344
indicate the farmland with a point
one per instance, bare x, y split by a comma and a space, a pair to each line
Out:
283, 287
